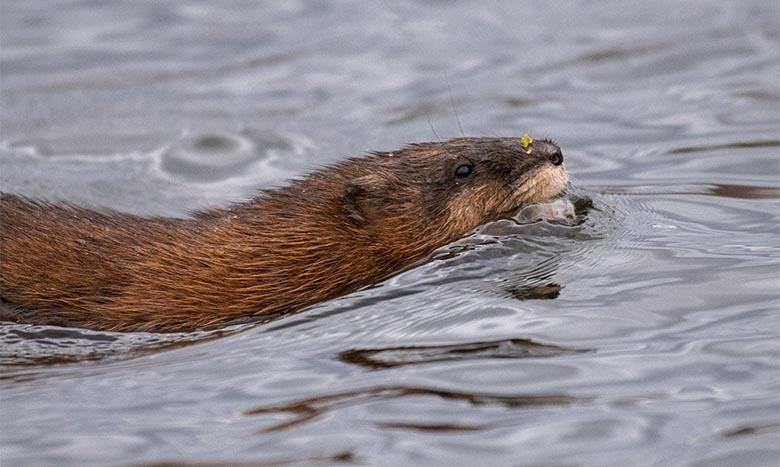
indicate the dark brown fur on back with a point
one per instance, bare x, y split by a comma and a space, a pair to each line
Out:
337, 230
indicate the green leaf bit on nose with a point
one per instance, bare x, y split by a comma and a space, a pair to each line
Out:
525, 141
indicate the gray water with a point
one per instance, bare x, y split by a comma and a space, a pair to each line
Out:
645, 334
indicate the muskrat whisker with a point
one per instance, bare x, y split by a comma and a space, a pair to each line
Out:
452, 102
439, 139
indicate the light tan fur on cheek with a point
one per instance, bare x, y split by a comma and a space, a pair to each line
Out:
466, 210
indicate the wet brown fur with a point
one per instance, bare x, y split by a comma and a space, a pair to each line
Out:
332, 232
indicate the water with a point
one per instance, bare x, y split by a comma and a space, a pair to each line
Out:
646, 334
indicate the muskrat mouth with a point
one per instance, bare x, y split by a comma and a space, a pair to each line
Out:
524, 195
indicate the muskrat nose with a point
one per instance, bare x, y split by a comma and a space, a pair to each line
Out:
556, 158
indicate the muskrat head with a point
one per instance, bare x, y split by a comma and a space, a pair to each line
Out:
492, 178
456, 185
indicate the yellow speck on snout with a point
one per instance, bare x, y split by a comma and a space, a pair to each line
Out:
525, 141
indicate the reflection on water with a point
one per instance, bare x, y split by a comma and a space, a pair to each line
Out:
737, 145
30, 346
641, 328
398, 356
307, 410
538, 292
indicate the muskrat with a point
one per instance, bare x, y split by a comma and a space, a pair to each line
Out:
334, 231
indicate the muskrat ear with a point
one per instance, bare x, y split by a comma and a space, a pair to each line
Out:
364, 197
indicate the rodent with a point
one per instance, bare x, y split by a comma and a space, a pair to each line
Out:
334, 231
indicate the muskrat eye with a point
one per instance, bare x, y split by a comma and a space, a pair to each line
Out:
464, 170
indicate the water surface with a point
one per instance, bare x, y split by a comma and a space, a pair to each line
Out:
647, 333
